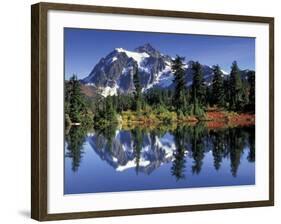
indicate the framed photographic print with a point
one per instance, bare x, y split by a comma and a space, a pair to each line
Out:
139, 111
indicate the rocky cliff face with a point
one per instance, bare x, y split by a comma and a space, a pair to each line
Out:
113, 74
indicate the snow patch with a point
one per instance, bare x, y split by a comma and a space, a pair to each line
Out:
165, 144
90, 84
163, 78
224, 72
109, 91
138, 57
132, 164
113, 59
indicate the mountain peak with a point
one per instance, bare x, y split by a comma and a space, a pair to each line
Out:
190, 63
114, 73
147, 48
119, 49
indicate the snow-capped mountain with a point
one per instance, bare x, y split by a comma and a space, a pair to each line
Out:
114, 73
121, 155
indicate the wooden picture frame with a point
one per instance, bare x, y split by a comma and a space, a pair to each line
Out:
39, 108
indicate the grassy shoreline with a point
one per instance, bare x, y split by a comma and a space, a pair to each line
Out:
211, 118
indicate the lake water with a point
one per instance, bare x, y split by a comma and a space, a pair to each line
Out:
113, 160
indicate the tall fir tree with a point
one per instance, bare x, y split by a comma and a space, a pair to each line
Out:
251, 80
179, 162
137, 137
244, 99
235, 87
76, 104
198, 88
75, 139
209, 96
110, 112
197, 148
218, 95
227, 94
179, 81
137, 90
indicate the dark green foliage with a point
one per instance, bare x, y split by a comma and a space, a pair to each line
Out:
197, 148
251, 156
105, 114
244, 96
124, 102
236, 88
251, 80
159, 98
75, 139
178, 166
197, 108
218, 147
165, 105
218, 95
75, 102
198, 89
192, 144
227, 92
236, 141
179, 100
137, 137
110, 112
137, 91
209, 96
108, 132
225, 143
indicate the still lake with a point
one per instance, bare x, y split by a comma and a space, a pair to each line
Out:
114, 160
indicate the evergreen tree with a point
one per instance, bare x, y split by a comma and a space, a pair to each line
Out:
110, 112
198, 88
75, 140
75, 101
218, 148
209, 96
218, 95
244, 98
251, 155
197, 148
137, 90
107, 132
251, 80
105, 114
137, 137
235, 87
227, 94
178, 166
125, 102
179, 81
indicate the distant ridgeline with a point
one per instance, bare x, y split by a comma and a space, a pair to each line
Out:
145, 86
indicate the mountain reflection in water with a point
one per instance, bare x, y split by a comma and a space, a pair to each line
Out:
111, 159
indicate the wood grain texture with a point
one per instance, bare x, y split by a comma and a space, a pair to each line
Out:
35, 191
271, 111
38, 112
39, 204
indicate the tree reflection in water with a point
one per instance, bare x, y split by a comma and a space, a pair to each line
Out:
150, 149
178, 166
75, 139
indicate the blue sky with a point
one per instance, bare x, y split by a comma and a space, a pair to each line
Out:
85, 47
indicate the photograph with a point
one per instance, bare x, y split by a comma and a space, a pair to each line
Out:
153, 111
